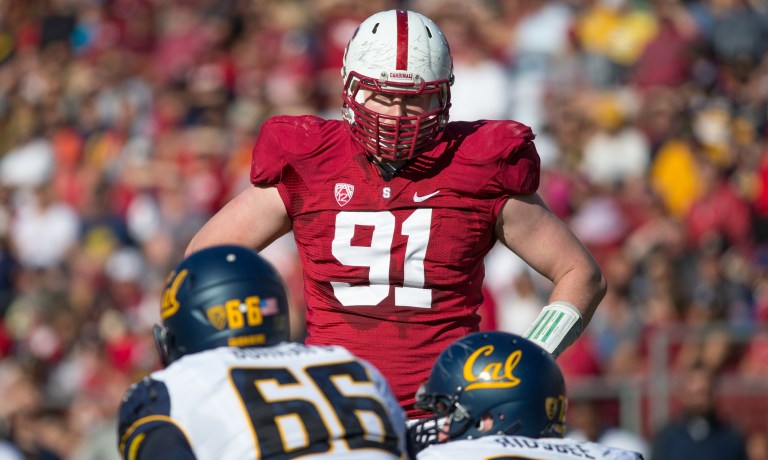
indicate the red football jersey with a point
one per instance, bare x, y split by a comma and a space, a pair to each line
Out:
393, 270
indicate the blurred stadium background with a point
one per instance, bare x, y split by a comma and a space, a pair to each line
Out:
124, 124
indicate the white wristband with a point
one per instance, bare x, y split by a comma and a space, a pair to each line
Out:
559, 325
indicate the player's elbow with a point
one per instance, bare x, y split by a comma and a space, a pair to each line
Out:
601, 285
198, 242
598, 287
213, 233
192, 247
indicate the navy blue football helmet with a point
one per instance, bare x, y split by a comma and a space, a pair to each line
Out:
221, 296
490, 383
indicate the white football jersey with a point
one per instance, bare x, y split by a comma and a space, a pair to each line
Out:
522, 448
285, 401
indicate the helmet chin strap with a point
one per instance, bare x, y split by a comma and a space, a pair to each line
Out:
388, 169
513, 429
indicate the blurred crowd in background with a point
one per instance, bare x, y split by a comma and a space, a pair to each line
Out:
124, 124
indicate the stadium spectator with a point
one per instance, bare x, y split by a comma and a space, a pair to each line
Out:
143, 145
586, 423
699, 431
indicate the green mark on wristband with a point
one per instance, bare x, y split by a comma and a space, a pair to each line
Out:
554, 326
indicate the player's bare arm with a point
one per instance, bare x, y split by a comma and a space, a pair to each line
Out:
541, 239
254, 218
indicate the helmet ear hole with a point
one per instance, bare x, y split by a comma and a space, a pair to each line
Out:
485, 423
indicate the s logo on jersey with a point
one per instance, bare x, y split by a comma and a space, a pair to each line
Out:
494, 375
170, 304
343, 193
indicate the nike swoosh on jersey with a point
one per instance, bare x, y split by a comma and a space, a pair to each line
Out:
419, 199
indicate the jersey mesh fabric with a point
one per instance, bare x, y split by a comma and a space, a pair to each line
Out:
518, 447
265, 402
394, 269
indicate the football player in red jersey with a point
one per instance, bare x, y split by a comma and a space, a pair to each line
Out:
393, 209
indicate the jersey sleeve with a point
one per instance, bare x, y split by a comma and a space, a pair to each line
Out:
267, 157
430, 454
520, 171
144, 422
166, 442
627, 455
599, 451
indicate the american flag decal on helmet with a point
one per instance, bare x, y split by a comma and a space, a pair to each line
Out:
269, 306
343, 193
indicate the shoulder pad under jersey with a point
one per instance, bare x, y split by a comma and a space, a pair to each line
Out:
141, 402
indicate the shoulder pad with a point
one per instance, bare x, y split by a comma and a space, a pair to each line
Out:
280, 139
499, 156
143, 399
287, 144
292, 134
519, 162
490, 140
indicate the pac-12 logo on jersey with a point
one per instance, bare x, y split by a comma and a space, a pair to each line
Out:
343, 193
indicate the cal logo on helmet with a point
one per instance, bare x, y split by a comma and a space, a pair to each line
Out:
520, 387
170, 303
494, 374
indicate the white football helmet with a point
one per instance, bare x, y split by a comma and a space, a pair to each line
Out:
397, 52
